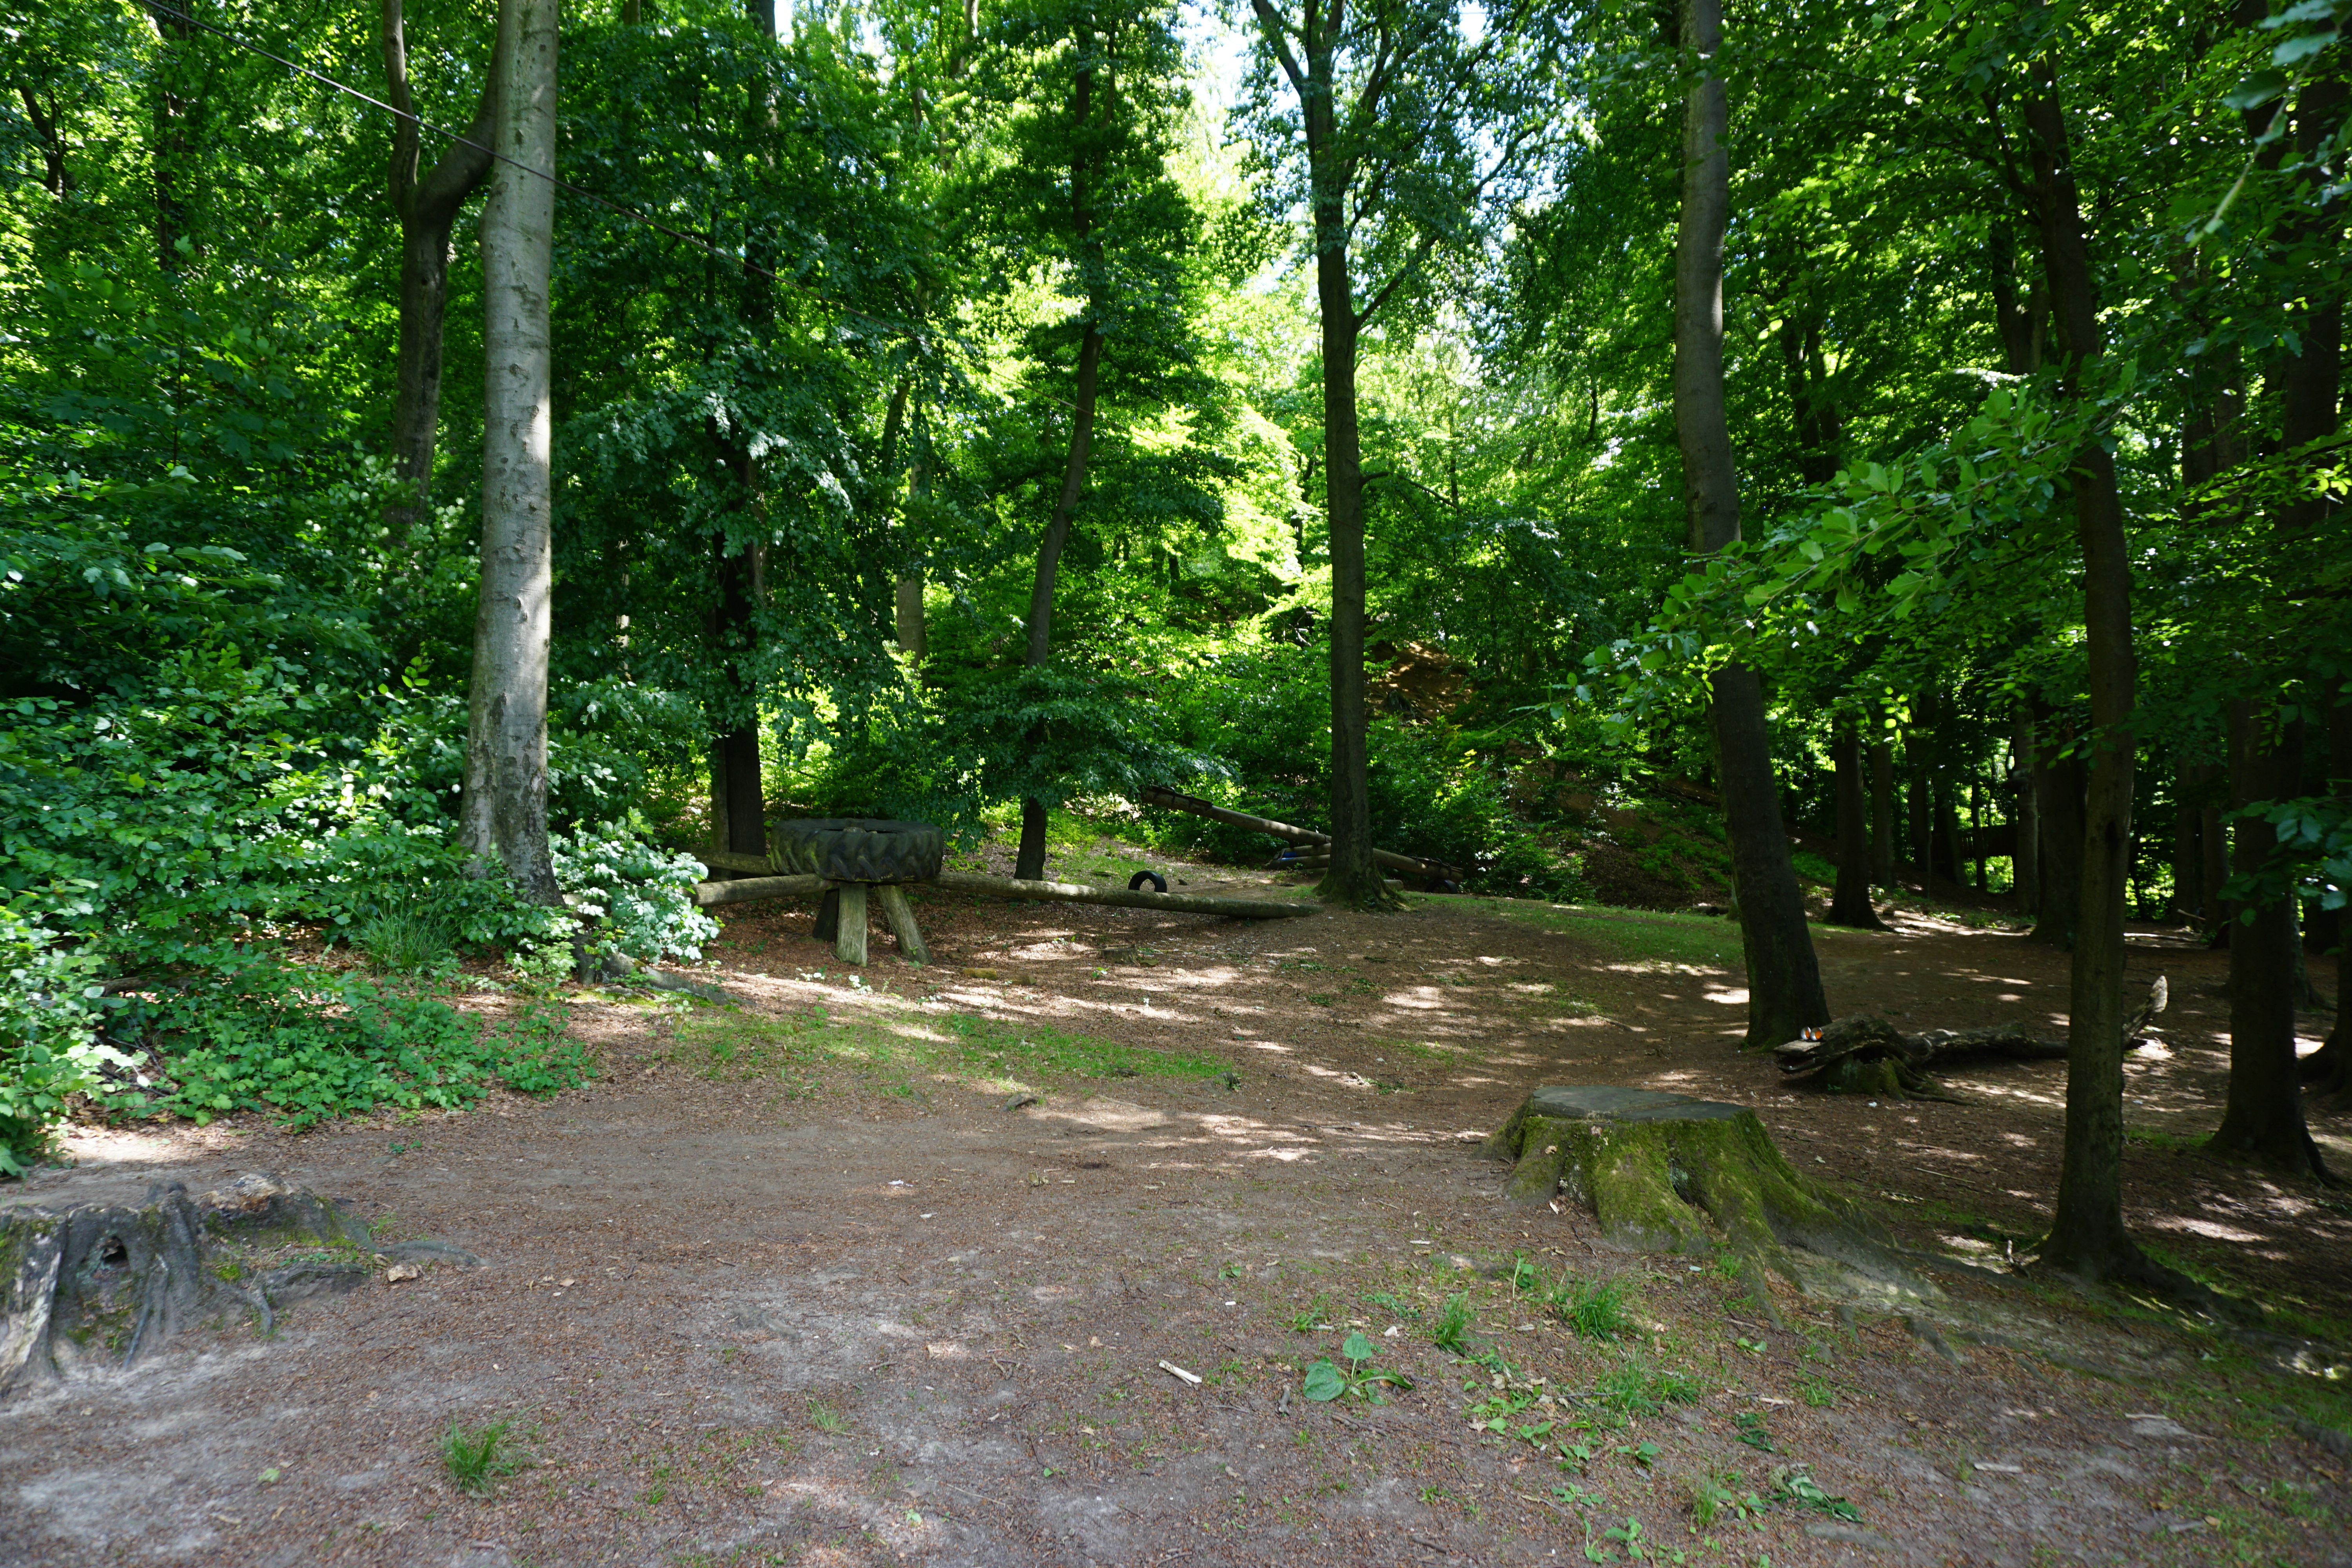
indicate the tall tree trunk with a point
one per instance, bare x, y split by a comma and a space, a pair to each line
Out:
2188, 851
2087, 1235
1354, 879
427, 208
1784, 980
2262, 1121
738, 788
56, 176
1030, 862
2058, 785
2025, 859
173, 134
1850, 901
2329, 1069
1882, 804
1918, 801
504, 811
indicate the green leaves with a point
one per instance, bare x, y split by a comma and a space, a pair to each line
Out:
1325, 1380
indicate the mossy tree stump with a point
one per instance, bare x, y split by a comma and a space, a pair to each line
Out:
1669, 1172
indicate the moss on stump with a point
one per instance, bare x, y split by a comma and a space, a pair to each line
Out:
1669, 1172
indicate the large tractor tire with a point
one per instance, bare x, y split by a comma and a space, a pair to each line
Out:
857, 849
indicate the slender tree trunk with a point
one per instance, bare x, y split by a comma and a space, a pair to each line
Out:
2188, 852
1354, 879
1919, 808
428, 207
1977, 833
2088, 1236
2329, 1069
1882, 805
907, 606
2025, 863
1849, 902
56, 176
1029, 864
2262, 1119
504, 810
2058, 783
173, 134
1784, 981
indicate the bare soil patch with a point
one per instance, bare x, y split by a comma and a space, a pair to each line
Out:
789, 1282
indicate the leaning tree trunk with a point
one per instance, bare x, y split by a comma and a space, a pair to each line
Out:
1784, 981
2262, 1121
427, 208
1849, 902
504, 812
2087, 1235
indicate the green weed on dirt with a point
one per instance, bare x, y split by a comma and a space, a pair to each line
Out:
978, 1053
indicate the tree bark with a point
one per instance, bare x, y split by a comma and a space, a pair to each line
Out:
1849, 902
426, 207
2262, 1121
2329, 1069
173, 134
504, 810
2088, 1236
1882, 805
2187, 850
2058, 785
2025, 858
1784, 982
56, 176
1029, 863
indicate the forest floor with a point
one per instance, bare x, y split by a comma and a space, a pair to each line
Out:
794, 1279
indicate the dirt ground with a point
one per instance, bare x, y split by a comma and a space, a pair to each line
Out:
798, 1280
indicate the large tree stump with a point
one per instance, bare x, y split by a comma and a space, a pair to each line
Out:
1669, 1172
106, 1286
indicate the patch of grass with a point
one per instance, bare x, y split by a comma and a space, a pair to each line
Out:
1816, 1392
1311, 1317
1595, 1308
979, 1053
407, 939
825, 1418
1716, 1495
1452, 1330
1639, 1387
478, 1458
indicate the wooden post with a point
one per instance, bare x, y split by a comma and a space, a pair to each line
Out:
849, 945
900, 917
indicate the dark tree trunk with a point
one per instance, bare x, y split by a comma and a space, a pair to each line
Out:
2262, 1119
2025, 863
2329, 1068
1784, 982
57, 178
1850, 901
2058, 783
1882, 806
1977, 833
1029, 862
428, 207
1919, 812
2088, 1236
173, 136
2188, 851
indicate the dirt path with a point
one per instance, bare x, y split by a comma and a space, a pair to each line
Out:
791, 1283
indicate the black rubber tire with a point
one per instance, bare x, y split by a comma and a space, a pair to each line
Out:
857, 849
1159, 883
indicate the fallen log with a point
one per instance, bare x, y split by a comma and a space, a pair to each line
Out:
735, 860
1864, 1054
1176, 800
1121, 898
708, 895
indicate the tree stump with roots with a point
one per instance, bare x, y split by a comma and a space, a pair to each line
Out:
99, 1286
1669, 1172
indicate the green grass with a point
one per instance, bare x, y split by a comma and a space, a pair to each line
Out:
406, 939
1595, 1308
476, 1457
1638, 1387
1639, 937
980, 1053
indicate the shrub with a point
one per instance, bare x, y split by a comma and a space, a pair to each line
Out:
49, 1044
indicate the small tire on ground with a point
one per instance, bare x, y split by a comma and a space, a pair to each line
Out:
857, 849
1159, 883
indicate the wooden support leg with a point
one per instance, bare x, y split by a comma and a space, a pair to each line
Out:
849, 944
901, 918
828, 916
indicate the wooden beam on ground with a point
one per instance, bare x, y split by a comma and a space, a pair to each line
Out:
742, 889
1120, 897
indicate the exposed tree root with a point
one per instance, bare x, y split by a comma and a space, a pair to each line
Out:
99, 1285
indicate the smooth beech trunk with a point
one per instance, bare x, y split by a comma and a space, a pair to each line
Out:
2088, 1236
504, 812
1850, 901
426, 205
1784, 980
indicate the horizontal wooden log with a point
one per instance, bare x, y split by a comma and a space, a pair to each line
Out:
742, 889
1120, 897
1176, 800
733, 860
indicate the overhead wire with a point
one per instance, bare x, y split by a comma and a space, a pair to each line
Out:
631, 213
